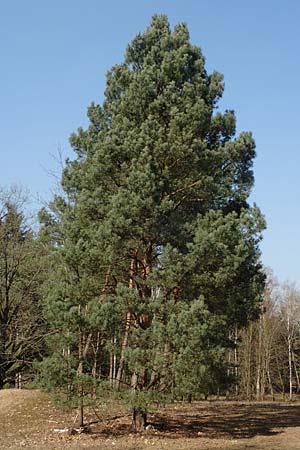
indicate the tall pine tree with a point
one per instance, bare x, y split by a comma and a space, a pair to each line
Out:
159, 247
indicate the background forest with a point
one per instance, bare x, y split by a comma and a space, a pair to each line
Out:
144, 280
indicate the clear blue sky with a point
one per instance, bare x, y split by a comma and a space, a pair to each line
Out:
55, 54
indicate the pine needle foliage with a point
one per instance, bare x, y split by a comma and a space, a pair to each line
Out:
156, 247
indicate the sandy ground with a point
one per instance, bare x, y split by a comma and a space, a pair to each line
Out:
28, 420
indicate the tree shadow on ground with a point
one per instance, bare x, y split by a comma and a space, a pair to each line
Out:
227, 420
216, 420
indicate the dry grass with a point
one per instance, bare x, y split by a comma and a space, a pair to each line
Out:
28, 420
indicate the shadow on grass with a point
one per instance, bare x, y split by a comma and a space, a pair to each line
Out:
227, 420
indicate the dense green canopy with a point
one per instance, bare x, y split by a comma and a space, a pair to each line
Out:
155, 244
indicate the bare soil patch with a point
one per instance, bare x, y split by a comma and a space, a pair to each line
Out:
28, 420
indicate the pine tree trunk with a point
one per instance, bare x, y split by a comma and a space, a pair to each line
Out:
111, 370
114, 374
123, 350
259, 362
113, 364
139, 420
95, 364
80, 422
248, 375
236, 361
228, 369
127, 329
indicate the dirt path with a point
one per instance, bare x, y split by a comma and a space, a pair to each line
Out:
28, 420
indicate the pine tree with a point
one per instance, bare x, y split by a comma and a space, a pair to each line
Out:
157, 217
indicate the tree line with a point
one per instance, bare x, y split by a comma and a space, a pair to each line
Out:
144, 278
267, 354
